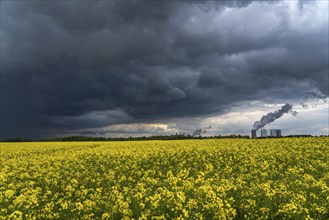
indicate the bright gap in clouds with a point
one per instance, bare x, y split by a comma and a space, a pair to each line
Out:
312, 120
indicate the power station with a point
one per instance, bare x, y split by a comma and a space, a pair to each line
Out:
263, 133
275, 132
253, 133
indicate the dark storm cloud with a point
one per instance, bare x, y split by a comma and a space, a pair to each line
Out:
78, 65
92, 133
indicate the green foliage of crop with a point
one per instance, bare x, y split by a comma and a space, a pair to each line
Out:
187, 179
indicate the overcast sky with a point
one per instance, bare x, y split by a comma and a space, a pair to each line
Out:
121, 68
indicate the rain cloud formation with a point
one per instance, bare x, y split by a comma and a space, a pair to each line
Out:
81, 67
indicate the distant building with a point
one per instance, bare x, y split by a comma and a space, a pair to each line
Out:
263, 133
253, 133
275, 133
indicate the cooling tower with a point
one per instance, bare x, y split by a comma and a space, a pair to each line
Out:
273, 133
253, 134
276, 133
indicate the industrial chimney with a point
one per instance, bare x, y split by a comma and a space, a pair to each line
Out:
253, 133
276, 133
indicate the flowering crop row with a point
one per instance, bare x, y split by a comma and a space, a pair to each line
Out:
188, 179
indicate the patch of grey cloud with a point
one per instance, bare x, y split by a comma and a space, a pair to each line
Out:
312, 96
201, 131
62, 63
317, 95
197, 132
136, 129
94, 119
159, 89
129, 129
92, 133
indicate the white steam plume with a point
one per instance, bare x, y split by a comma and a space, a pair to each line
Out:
272, 116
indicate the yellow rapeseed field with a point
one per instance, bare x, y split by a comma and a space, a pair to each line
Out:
187, 179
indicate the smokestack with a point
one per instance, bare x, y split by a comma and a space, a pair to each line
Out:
253, 133
276, 133
272, 116
263, 133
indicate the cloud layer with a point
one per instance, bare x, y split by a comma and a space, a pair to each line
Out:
69, 66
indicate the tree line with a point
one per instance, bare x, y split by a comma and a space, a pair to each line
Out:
143, 138
130, 138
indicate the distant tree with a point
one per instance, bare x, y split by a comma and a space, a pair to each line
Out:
17, 140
